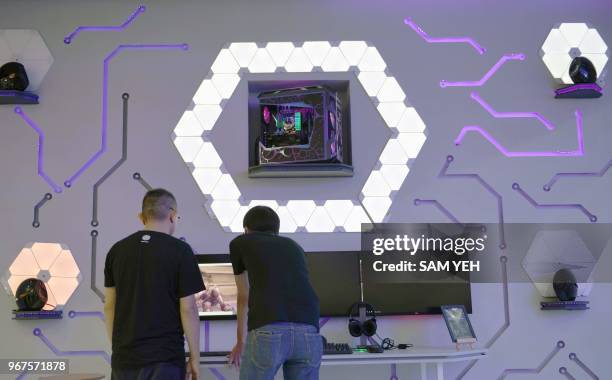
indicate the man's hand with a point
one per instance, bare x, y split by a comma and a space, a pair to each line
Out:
193, 370
236, 354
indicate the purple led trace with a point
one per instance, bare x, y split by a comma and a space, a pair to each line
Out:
511, 115
592, 218
41, 146
103, 354
488, 75
441, 40
572, 153
70, 181
70, 37
558, 176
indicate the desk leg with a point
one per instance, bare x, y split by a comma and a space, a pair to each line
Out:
440, 370
423, 371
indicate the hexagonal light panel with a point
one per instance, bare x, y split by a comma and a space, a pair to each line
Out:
51, 263
27, 47
570, 40
553, 250
224, 199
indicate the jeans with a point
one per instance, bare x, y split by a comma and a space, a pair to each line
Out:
297, 347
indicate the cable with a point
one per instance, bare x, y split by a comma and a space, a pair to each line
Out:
389, 344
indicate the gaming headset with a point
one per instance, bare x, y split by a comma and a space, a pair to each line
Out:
357, 328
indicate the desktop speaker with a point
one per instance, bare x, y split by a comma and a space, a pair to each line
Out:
13, 77
582, 70
565, 286
31, 295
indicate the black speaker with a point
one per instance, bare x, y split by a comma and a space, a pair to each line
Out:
356, 327
31, 295
13, 76
565, 286
582, 70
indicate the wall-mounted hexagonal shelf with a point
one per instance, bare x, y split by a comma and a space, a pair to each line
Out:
51, 263
571, 40
27, 47
553, 250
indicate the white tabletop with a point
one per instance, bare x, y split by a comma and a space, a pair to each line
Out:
409, 355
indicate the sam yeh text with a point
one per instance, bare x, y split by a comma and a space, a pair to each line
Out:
427, 266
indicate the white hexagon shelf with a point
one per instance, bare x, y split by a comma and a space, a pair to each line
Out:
225, 201
51, 263
571, 40
553, 250
27, 47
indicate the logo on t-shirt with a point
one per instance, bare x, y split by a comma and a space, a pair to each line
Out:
145, 238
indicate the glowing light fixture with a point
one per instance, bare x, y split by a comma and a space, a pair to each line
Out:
51, 263
570, 40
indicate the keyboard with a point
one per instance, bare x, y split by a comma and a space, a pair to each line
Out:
337, 349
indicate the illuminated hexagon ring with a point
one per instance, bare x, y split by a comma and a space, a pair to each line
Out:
571, 40
224, 198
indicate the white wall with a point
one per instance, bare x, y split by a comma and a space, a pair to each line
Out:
161, 85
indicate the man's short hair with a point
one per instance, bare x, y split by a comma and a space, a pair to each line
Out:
157, 204
262, 219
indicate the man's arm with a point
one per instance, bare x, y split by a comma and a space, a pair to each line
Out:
110, 296
191, 327
242, 284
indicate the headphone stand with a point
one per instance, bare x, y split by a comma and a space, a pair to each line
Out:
363, 340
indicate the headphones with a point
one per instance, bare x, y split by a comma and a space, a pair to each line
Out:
357, 328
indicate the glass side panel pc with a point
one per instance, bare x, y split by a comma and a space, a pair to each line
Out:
300, 125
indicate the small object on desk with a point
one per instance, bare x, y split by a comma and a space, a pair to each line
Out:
336, 349
375, 349
215, 353
403, 346
459, 326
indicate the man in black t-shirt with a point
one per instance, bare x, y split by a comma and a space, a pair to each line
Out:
283, 309
150, 279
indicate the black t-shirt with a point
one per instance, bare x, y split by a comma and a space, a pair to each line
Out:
150, 271
280, 290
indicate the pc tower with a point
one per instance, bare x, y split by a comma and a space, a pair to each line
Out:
300, 132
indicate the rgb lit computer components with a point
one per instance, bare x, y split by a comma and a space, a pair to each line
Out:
300, 131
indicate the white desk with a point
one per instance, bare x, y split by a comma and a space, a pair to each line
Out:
416, 355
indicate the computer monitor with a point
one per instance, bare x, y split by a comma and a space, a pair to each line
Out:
333, 275
335, 278
219, 299
410, 293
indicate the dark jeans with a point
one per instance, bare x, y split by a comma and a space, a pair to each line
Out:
295, 346
158, 371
